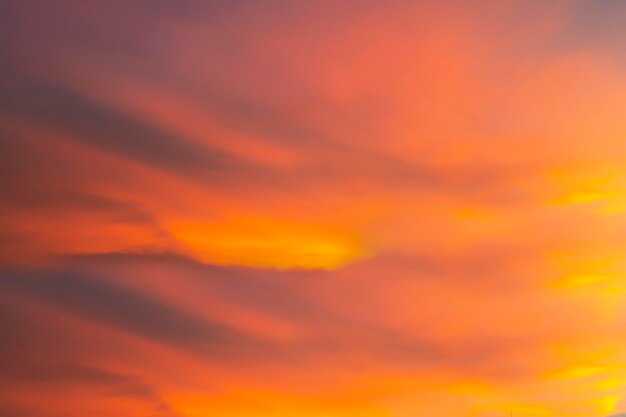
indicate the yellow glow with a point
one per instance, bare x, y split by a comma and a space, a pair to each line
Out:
607, 405
606, 189
615, 206
576, 372
603, 284
611, 383
604, 273
580, 280
580, 197
268, 243
535, 410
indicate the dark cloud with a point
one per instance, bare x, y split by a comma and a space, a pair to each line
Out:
601, 21
282, 117
41, 355
68, 375
38, 353
24, 165
282, 294
70, 202
278, 112
61, 109
73, 375
329, 333
596, 25
11, 410
126, 310
279, 293
8, 239
39, 180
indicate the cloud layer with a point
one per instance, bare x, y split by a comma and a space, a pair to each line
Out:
282, 208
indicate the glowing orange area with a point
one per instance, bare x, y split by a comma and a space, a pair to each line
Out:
606, 190
268, 243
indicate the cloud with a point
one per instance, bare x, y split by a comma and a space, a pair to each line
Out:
325, 331
73, 376
341, 321
311, 208
137, 314
41, 356
78, 117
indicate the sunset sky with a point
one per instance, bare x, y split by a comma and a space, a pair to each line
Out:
312, 208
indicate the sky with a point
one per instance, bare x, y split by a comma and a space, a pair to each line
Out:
312, 208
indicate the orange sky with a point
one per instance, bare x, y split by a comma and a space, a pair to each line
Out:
312, 208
